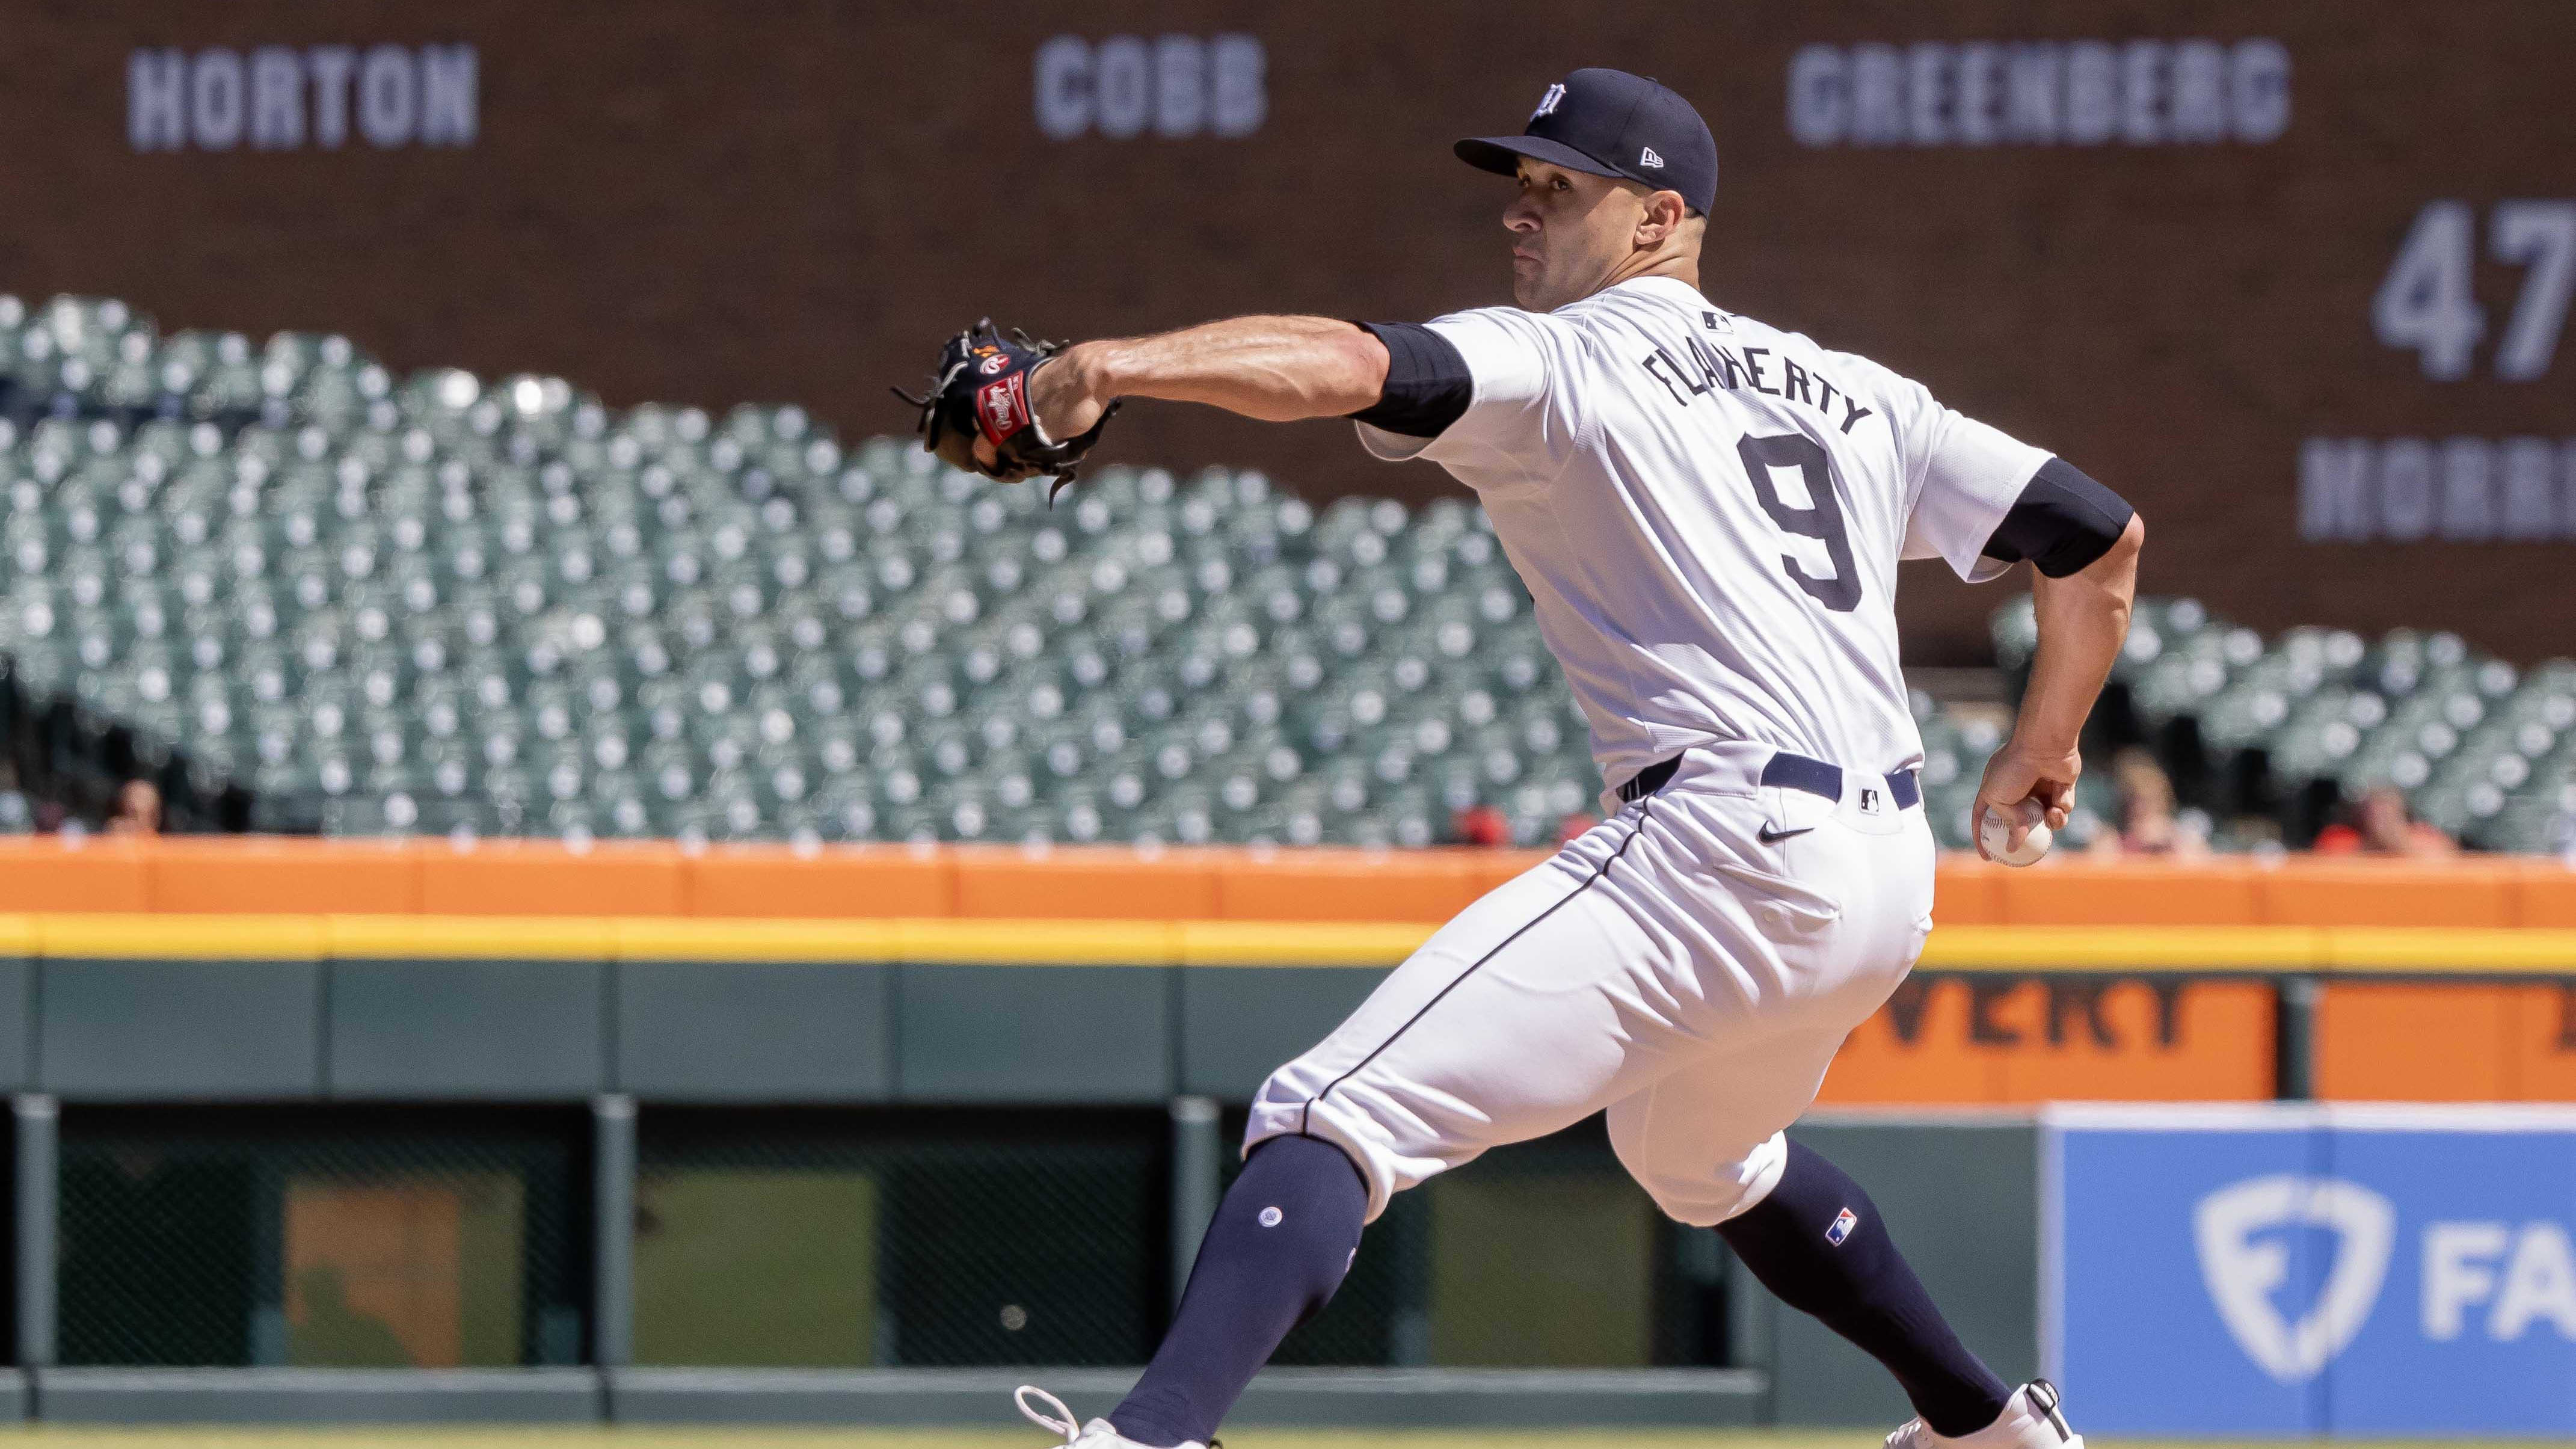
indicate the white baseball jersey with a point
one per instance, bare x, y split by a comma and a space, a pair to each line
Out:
1708, 513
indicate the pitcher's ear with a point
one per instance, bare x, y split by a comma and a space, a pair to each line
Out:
1665, 210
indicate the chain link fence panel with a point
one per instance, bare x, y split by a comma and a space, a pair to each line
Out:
390, 1237
766, 1238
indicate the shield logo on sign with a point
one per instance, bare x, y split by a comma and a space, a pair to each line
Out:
2243, 1267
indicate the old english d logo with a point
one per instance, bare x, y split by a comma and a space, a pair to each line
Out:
2244, 1270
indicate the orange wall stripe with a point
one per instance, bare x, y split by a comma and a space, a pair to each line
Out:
272, 876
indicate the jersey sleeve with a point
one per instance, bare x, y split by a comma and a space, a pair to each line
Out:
1521, 417
1961, 478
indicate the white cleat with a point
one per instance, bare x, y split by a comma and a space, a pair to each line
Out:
1098, 1434
2031, 1420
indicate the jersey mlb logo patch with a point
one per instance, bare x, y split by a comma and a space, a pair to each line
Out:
1844, 1222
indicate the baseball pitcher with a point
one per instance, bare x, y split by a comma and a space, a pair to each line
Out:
1708, 513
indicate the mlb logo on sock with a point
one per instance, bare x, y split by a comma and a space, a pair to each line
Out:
1844, 1222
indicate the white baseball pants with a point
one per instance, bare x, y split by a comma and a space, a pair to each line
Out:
1691, 964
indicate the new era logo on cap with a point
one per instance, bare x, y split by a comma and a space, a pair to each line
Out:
1649, 158
1843, 1223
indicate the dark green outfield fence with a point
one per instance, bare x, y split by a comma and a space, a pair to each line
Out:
241, 1260
494, 1188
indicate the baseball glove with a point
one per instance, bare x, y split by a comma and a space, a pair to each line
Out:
981, 390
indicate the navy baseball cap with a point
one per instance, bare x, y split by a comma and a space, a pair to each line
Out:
1611, 123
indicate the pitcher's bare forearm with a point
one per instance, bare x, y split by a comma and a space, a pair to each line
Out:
2083, 621
1276, 369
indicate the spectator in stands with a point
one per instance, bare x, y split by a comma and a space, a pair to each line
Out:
2146, 822
138, 809
17, 812
2380, 824
1481, 825
1573, 827
2255, 835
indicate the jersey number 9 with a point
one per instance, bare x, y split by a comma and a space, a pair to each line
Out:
1822, 519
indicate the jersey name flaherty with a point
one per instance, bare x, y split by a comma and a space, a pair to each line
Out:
1713, 367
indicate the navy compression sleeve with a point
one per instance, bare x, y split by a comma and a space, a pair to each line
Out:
1282, 1239
1818, 1244
2063, 521
1427, 384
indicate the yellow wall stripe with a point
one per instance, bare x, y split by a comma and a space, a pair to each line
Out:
479, 938
2359, 951
191, 938
685, 938
2413, 948
1038, 943
1317, 943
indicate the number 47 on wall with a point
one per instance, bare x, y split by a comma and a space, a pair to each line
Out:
2428, 300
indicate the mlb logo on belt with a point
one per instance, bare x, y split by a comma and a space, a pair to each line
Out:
1868, 801
1843, 1223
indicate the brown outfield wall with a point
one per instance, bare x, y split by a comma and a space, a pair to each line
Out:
2162, 257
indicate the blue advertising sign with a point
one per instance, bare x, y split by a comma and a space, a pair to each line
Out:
2311, 1269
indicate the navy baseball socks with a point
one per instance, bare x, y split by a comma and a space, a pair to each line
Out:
1286, 1231
1280, 1242
1817, 1243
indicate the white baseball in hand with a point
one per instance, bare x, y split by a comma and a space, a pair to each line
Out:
1996, 834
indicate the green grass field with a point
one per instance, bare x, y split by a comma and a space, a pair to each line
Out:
264, 1438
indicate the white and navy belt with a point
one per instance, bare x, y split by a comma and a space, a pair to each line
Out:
1785, 770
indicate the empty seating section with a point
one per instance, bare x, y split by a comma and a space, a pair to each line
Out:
2483, 750
438, 604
